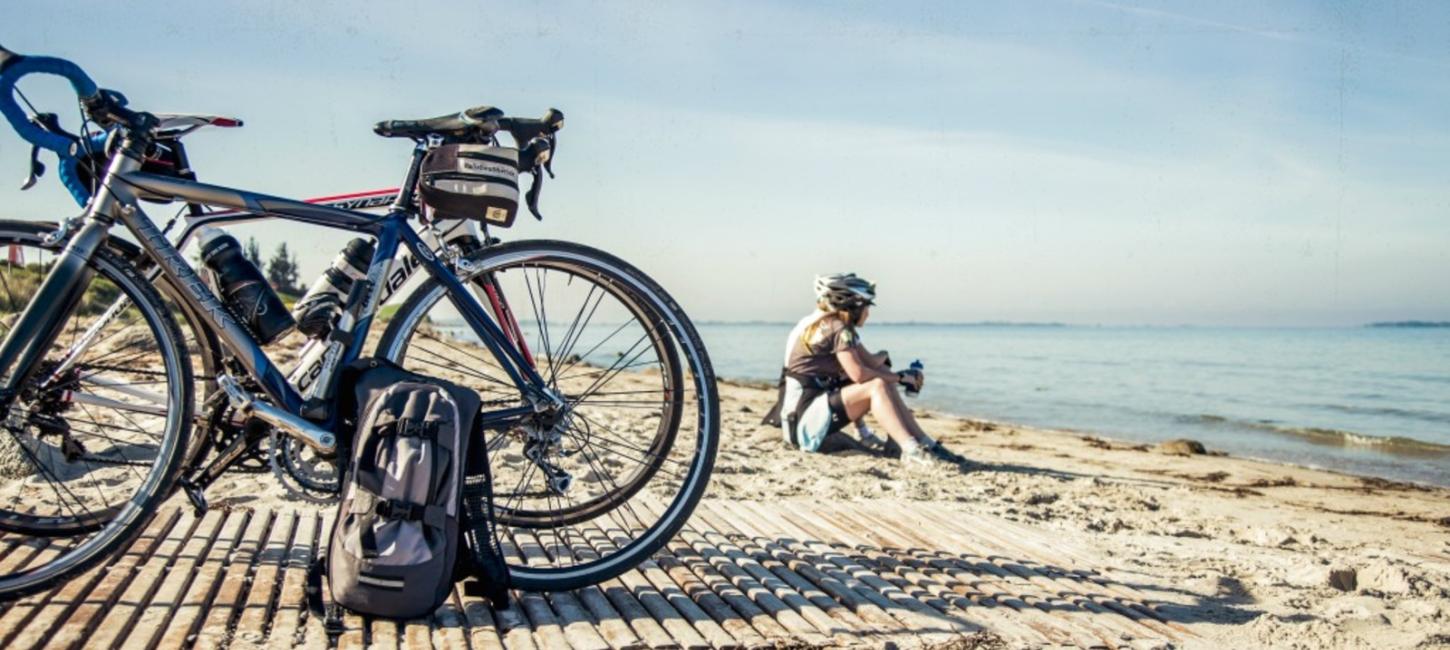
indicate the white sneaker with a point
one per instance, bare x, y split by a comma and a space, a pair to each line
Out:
919, 458
869, 439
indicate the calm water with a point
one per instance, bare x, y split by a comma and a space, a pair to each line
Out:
1367, 401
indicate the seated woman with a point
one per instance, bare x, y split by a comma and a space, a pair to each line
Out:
830, 380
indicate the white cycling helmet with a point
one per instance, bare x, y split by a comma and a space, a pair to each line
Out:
845, 291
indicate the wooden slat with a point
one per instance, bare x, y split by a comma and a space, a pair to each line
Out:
1039, 554
897, 603
354, 632
711, 592
676, 597
416, 633
547, 631
72, 593
622, 596
312, 634
758, 525
174, 580
383, 634
1134, 618
764, 587
483, 632
291, 597
681, 632
448, 621
257, 609
937, 587
997, 585
575, 548
193, 606
751, 612
739, 575
122, 592
19, 612
890, 557
226, 604
1084, 615
578, 626
830, 605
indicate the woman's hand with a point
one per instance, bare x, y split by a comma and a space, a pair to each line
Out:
914, 379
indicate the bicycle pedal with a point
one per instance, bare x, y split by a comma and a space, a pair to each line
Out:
196, 496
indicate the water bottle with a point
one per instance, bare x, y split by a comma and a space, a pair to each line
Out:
319, 307
915, 369
243, 288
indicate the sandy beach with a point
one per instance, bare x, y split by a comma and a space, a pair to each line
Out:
1260, 554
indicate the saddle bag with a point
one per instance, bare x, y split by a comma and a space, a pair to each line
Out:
394, 549
471, 181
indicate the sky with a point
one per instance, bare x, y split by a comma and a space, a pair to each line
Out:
1164, 163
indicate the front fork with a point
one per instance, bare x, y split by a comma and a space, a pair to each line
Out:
44, 318
41, 323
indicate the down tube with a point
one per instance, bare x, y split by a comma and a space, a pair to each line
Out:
522, 374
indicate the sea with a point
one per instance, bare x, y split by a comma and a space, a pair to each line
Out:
1372, 401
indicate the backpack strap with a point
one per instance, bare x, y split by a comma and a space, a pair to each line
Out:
329, 613
370, 508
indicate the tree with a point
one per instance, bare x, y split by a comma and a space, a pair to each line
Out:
254, 252
282, 270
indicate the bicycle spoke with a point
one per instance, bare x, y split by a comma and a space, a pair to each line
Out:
55, 483
453, 365
578, 333
114, 445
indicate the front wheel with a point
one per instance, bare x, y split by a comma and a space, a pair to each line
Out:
626, 460
92, 442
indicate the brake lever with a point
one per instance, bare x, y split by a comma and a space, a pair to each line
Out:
37, 169
51, 123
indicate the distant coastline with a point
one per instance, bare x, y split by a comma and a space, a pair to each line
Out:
908, 323
1411, 324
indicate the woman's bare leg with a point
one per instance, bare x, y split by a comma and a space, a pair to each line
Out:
877, 396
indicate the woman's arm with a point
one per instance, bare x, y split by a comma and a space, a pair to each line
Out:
857, 363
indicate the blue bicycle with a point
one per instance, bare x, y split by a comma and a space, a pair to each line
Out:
601, 412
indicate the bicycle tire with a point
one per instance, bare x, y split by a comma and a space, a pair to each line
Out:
112, 527
612, 559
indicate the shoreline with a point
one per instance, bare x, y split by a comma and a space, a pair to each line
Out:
1373, 446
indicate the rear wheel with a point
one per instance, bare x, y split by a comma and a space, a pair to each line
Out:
93, 442
618, 470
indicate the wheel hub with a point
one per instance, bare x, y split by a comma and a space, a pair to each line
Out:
543, 438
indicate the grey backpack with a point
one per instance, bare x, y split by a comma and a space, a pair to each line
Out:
395, 544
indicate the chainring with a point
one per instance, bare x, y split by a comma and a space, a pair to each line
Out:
302, 473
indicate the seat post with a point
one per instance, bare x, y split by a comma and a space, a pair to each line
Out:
410, 183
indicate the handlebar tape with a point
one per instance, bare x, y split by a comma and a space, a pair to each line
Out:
14, 66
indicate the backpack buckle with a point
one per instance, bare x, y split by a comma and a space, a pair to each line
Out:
399, 510
333, 625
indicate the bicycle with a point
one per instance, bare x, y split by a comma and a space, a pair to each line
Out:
551, 403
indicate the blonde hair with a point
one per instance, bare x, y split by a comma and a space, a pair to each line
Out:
825, 306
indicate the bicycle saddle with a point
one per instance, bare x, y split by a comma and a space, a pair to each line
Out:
175, 125
467, 121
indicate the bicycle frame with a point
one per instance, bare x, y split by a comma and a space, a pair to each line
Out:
37, 327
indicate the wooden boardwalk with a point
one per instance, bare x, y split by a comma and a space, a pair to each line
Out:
741, 575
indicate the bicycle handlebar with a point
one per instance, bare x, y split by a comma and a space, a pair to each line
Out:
15, 66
